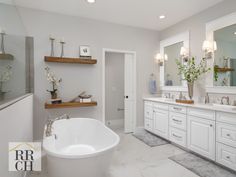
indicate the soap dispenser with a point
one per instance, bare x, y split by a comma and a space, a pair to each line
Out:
180, 96
207, 99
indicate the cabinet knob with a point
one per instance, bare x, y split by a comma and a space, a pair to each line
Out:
211, 125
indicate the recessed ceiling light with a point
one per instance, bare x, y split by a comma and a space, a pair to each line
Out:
235, 32
162, 16
91, 1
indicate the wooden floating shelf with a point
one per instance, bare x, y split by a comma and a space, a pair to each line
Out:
222, 70
6, 56
69, 60
69, 105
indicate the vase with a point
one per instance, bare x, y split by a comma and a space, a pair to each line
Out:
190, 90
53, 95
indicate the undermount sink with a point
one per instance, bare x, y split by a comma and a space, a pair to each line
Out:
224, 106
166, 99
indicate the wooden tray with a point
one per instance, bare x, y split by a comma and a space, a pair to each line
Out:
184, 101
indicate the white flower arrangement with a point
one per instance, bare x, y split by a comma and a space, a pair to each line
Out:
52, 79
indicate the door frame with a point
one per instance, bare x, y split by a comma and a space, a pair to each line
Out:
104, 50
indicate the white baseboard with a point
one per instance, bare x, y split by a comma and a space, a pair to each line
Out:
117, 123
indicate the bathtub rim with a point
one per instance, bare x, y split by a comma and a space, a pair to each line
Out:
99, 152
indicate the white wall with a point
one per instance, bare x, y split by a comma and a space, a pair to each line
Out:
197, 27
77, 78
114, 85
16, 126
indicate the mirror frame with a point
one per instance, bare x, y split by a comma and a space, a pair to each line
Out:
212, 26
182, 37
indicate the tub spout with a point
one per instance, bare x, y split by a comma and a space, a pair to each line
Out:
48, 131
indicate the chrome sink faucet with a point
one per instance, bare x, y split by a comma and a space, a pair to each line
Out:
167, 95
48, 131
225, 98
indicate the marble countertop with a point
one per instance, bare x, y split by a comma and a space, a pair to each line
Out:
195, 105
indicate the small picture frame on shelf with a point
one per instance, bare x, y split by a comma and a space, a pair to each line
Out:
84, 52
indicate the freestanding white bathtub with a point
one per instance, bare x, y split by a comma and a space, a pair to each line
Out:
83, 148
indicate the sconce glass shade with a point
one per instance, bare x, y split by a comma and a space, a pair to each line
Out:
215, 46
183, 52
165, 57
206, 45
158, 57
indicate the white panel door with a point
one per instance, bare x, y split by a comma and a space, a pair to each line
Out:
161, 123
201, 136
129, 93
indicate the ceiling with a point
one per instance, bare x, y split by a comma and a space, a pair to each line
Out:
137, 13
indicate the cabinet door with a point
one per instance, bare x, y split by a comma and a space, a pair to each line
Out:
161, 123
148, 125
201, 136
148, 111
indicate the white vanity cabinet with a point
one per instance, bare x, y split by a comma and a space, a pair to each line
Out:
201, 136
208, 132
201, 132
226, 139
178, 125
161, 123
156, 118
148, 116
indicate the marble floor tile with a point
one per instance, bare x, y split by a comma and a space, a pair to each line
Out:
134, 158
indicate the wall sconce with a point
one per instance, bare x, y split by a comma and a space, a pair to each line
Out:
184, 54
160, 59
208, 48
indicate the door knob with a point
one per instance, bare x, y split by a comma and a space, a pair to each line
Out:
126, 97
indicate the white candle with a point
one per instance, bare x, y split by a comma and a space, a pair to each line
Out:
51, 36
2, 30
62, 39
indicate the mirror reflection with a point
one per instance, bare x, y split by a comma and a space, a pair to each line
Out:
171, 71
225, 56
16, 55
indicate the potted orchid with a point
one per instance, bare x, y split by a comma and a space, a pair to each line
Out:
191, 72
52, 79
5, 75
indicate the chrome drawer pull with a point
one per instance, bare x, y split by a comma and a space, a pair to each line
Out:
178, 109
176, 136
178, 121
228, 135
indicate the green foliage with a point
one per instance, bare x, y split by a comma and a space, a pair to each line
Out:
190, 71
216, 73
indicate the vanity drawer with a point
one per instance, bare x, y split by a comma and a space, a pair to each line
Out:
178, 120
202, 113
226, 117
148, 112
148, 103
148, 125
160, 106
178, 136
226, 155
226, 134
178, 109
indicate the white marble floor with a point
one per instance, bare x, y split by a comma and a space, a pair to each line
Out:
133, 158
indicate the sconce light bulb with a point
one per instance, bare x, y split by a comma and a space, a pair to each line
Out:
215, 46
165, 57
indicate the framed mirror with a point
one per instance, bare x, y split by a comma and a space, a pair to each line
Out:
170, 48
222, 78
